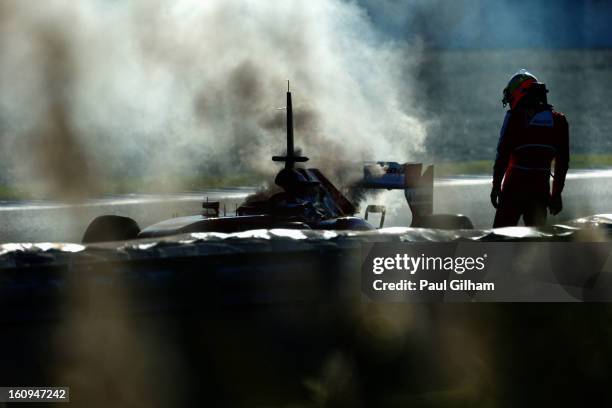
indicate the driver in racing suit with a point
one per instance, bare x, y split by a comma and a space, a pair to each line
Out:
532, 136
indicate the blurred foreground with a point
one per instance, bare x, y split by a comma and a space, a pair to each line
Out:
275, 319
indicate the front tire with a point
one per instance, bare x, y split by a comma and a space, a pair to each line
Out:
111, 228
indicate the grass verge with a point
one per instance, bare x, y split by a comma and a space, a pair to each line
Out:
474, 167
195, 183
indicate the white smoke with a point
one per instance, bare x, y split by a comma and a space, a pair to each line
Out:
102, 89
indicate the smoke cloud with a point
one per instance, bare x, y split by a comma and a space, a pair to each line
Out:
98, 90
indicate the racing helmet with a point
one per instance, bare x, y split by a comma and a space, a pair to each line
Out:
518, 87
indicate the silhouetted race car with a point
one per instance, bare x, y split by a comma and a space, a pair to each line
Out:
308, 200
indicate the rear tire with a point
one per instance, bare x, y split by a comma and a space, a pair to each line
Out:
111, 228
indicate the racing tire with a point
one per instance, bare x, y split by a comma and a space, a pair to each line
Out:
111, 228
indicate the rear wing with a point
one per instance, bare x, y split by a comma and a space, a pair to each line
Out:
417, 185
